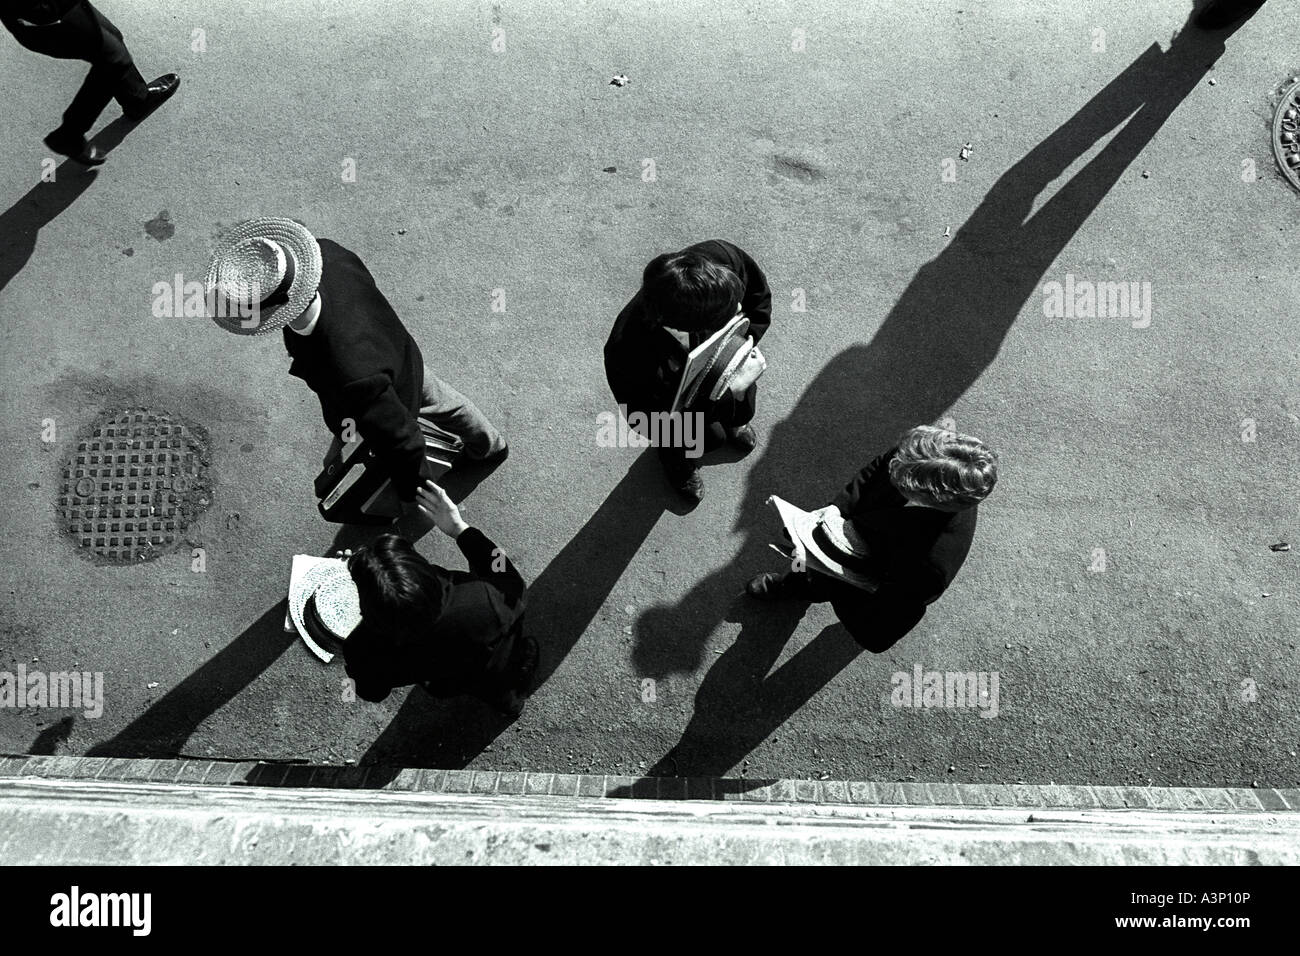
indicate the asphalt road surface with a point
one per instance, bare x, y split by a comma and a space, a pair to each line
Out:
1122, 585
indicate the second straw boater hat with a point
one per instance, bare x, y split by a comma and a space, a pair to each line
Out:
264, 274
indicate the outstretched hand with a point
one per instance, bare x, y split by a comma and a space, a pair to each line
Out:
435, 502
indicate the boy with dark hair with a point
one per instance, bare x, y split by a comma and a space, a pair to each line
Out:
451, 632
685, 297
698, 292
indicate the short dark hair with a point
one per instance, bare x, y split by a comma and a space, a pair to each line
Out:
689, 291
398, 590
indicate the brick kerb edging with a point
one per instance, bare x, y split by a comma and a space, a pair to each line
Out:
514, 783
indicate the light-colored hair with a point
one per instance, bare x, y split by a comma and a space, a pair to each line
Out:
949, 469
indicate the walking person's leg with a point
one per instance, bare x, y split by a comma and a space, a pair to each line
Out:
77, 36
136, 97
449, 409
682, 469
118, 72
86, 34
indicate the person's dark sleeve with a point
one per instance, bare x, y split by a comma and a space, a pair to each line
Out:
757, 302
848, 500
384, 421
490, 563
642, 372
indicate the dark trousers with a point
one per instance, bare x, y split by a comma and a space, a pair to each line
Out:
449, 409
727, 412
86, 34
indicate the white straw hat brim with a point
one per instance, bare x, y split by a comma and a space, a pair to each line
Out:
298, 242
319, 579
800, 525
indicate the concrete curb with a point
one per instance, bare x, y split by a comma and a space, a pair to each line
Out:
507, 783
78, 822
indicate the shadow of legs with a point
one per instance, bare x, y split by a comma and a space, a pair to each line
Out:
163, 729
21, 223
738, 705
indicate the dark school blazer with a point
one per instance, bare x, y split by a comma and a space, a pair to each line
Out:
363, 365
470, 645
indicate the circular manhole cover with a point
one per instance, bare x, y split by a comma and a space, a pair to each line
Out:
138, 478
1286, 134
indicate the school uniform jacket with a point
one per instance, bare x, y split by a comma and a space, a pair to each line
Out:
644, 361
363, 365
915, 552
467, 649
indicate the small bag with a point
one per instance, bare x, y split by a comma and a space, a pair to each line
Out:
352, 489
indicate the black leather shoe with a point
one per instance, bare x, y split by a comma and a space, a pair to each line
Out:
743, 437
688, 483
160, 90
75, 148
769, 586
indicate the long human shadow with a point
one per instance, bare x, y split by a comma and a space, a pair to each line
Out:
163, 730
562, 603
943, 332
21, 223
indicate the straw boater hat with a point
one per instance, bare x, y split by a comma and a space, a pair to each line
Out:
834, 542
724, 361
325, 607
269, 267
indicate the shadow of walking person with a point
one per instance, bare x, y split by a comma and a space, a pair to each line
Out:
562, 603
21, 223
163, 730
943, 332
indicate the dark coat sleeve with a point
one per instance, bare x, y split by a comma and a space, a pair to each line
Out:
490, 563
851, 498
384, 421
642, 363
757, 303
